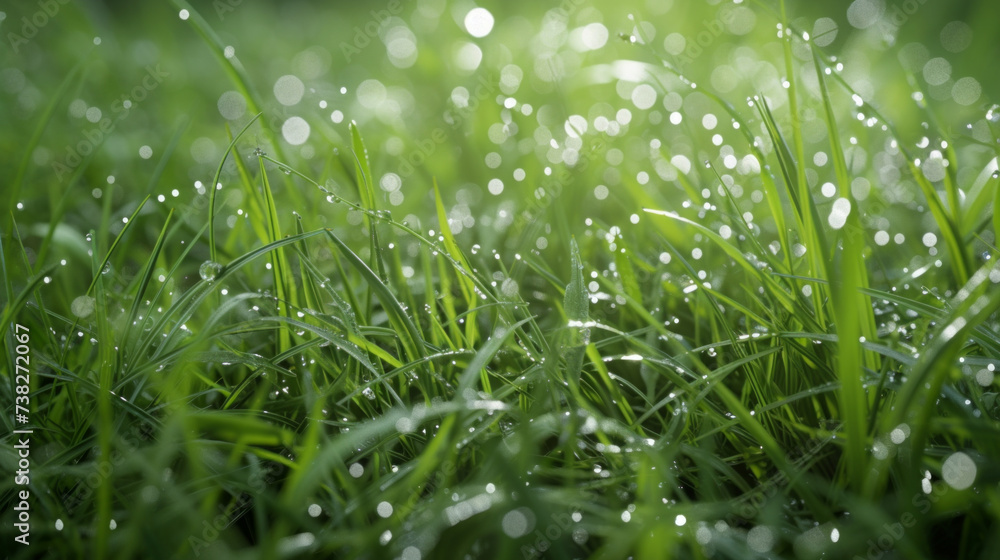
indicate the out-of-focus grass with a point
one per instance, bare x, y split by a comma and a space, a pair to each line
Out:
638, 280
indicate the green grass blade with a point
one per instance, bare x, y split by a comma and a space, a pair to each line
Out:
852, 312
212, 190
366, 189
284, 283
412, 342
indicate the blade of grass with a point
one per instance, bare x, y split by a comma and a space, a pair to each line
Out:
852, 313
412, 342
212, 190
284, 283
366, 189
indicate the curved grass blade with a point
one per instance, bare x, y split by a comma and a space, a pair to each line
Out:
213, 251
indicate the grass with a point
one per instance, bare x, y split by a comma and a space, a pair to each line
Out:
720, 360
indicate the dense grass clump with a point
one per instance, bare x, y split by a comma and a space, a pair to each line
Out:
595, 299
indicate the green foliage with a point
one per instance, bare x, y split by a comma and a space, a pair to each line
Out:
568, 296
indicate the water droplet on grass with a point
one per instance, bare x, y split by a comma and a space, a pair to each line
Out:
209, 270
993, 115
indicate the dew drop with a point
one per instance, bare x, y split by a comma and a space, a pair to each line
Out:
993, 115
209, 270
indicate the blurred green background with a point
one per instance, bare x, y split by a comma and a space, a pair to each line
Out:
412, 81
541, 122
